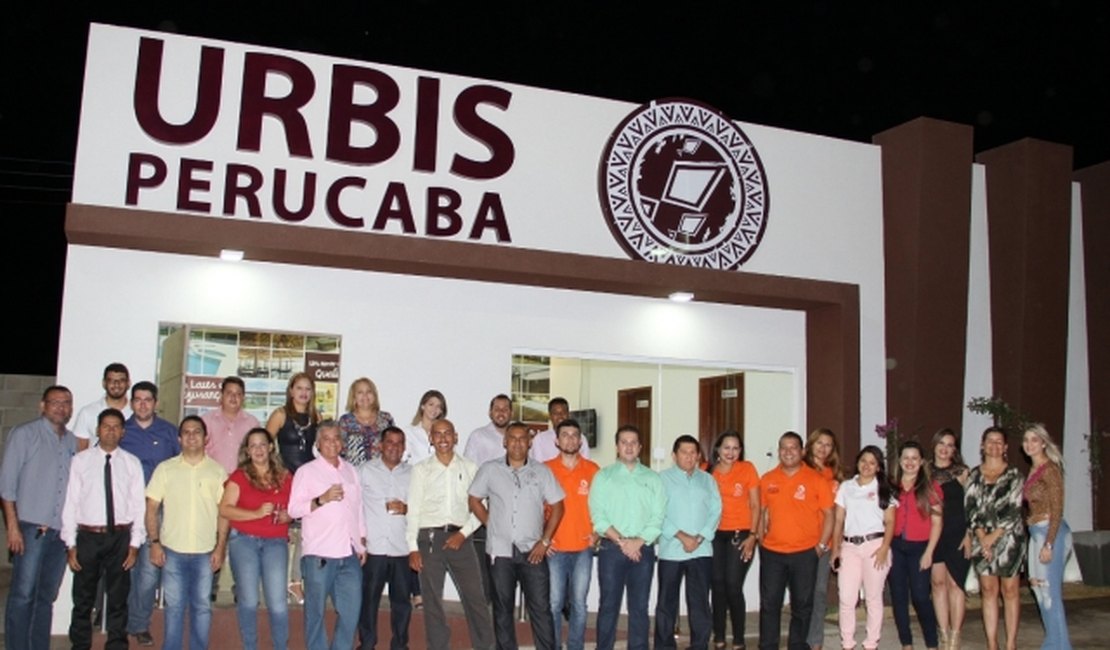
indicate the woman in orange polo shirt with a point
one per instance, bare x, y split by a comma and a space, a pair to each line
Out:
733, 545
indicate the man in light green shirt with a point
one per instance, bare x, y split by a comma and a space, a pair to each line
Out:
627, 505
686, 545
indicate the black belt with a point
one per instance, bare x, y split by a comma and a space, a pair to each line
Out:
448, 528
100, 530
860, 539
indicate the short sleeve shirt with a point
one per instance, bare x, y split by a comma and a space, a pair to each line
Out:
516, 499
735, 487
794, 504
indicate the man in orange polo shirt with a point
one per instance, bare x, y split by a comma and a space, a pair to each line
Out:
793, 536
570, 557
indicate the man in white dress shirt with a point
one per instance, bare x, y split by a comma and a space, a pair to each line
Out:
102, 529
385, 496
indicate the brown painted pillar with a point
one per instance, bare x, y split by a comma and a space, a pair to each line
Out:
926, 231
1029, 225
833, 372
1094, 184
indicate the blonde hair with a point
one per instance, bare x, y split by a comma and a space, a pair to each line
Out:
833, 461
1050, 448
373, 391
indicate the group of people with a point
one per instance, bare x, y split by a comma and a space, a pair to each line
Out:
311, 508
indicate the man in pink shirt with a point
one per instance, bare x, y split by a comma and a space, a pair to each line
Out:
327, 498
228, 424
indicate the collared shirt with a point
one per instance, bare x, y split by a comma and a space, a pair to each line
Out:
417, 447
862, 514
516, 499
35, 472
85, 502
438, 496
385, 531
225, 435
631, 501
335, 529
190, 497
544, 448
484, 443
152, 445
693, 507
794, 504
575, 529
84, 426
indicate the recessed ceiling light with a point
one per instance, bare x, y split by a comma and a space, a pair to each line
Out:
231, 255
681, 296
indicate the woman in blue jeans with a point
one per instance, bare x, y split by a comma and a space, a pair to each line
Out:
917, 527
254, 502
1049, 535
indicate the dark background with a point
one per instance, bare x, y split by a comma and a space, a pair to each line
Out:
843, 69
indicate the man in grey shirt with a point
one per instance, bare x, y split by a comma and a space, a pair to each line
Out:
517, 488
33, 482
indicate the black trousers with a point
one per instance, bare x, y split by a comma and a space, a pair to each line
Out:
536, 584
101, 554
777, 573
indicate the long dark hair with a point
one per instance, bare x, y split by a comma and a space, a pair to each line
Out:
957, 457
715, 457
922, 485
880, 473
277, 469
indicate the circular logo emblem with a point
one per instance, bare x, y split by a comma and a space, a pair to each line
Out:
680, 183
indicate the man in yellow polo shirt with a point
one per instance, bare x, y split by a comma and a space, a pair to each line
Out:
792, 537
190, 544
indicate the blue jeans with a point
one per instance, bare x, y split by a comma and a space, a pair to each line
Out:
1046, 581
341, 580
908, 582
615, 574
36, 577
697, 572
265, 560
187, 584
570, 583
140, 600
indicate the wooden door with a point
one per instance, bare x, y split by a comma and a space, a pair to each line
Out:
634, 407
720, 408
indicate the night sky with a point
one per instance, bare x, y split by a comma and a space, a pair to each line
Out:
843, 69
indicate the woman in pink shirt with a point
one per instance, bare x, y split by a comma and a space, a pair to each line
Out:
254, 502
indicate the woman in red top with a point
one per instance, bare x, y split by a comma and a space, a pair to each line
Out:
733, 545
254, 502
917, 526
822, 454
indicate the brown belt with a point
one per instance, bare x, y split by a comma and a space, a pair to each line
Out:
100, 530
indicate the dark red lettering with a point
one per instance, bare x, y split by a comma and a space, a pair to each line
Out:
491, 214
187, 183
233, 189
443, 203
308, 197
255, 104
332, 201
135, 179
427, 124
148, 82
343, 112
395, 205
502, 152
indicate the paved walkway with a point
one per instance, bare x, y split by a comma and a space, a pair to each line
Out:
1088, 610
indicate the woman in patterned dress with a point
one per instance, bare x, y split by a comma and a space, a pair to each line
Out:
363, 423
997, 531
950, 559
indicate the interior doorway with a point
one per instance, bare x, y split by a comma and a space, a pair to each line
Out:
634, 407
720, 408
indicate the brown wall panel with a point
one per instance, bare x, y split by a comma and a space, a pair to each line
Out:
1029, 224
926, 230
1094, 185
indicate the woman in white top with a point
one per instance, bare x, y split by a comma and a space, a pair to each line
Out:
865, 527
418, 446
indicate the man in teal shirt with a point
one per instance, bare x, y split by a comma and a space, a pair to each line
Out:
686, 545
627, 505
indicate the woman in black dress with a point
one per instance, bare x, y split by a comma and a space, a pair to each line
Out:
951, 556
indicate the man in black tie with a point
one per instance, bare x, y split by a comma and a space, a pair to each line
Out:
102, 529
